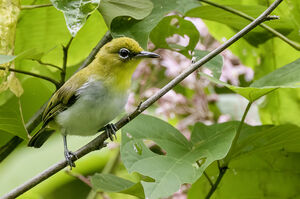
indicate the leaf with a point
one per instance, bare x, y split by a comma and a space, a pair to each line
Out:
6, 58
275, 138
178, 166
76, 12
137, 9
14, 85
140, 29
285, 77
215, 64
111, 183
11, 121
265, 155
170, 26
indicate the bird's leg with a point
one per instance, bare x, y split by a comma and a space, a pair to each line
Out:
68, 154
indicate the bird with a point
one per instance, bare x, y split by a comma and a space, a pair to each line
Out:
87, 102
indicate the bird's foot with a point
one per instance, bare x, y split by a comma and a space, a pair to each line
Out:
111, 130
69, 155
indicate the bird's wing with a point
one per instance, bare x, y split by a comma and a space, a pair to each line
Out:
61, 100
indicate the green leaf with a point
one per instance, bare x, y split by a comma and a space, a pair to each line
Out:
6, 58
179, 165
285, 77
137, 9
265, 155
215, 64
76, 12
112, 183
170, 26
140, 29
11, 121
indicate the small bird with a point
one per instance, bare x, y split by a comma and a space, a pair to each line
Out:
94, 96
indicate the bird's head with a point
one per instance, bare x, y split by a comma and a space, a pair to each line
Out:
120, 57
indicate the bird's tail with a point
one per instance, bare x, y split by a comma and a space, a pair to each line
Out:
40, 137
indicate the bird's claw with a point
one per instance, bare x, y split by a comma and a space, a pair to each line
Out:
111, 130
69, 156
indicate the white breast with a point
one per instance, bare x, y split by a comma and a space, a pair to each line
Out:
95, 107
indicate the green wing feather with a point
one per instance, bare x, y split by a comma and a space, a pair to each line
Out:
60, 101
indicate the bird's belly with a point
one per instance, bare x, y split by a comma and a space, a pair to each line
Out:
95, 107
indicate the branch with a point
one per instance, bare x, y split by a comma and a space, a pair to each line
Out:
47, 64
56, 83
65, 60
35, 120
266, 27
27, 7
98, 142
106, 38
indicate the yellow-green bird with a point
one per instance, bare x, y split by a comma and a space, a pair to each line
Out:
94, 96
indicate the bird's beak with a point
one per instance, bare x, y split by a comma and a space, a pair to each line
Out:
148, 54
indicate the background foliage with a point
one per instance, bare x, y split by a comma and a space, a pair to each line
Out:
185, 141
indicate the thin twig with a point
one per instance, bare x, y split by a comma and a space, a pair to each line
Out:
35, 120
56, 83
98, 141
47, 64
266, 27
65, 60
27, 7
215, 186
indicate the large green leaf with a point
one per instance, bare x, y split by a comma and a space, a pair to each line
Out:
76, 12
285, 77
140, 29
179, 165
11, 121
112, 183
137, 9
264, 165
170, 26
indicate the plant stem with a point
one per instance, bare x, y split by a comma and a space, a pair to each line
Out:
266, 27
223, 168
27, 7
47, 64
56, 83
65, 60
98, 142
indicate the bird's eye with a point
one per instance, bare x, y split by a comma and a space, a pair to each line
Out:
124, 53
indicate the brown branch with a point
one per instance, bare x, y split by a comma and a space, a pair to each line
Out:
98, 141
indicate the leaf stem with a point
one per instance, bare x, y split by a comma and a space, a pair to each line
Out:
56, 83
98, 142
266, 27
223, 168
27, 7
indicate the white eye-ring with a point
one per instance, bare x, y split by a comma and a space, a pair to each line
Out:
124, 53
